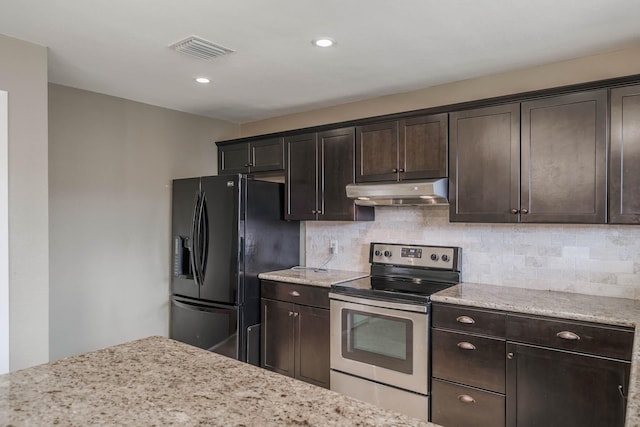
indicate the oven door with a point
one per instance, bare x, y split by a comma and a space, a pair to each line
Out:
386, 345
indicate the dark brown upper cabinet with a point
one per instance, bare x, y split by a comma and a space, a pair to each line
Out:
541, 161
624, 177
251, 157
484, 182
318, 168
413, 148
564, 159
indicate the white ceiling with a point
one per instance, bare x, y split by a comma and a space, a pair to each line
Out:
120, 47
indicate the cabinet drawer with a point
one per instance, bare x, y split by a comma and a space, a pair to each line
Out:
600, 340
468, 359
470, 320
456, 405
300, 294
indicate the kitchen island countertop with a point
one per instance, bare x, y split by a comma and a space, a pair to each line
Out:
312, 277
158, 381
572, 306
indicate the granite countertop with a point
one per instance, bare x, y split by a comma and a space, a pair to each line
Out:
313, 277
158, 381
589, 308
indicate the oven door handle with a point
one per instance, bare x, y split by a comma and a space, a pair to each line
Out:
379, 303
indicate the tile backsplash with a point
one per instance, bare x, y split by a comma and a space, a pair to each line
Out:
590, 259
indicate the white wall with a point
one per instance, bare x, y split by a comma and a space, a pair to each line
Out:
591, 259
4, 233
111, 163
23, 74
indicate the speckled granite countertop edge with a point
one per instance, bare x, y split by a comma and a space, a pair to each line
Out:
312, 277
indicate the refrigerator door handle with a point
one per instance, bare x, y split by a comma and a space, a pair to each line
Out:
194, 241
204, 230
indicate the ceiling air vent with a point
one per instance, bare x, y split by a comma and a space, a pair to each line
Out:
200, 48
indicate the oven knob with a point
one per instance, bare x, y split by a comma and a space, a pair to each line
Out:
387, 253
445, 258
377, 252
434, 257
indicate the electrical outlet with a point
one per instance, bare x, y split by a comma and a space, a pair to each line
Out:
333, 246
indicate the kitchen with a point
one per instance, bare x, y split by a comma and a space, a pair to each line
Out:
46, 304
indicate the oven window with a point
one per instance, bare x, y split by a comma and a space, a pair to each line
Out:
379, 340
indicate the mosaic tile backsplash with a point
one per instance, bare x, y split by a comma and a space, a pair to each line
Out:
590, 259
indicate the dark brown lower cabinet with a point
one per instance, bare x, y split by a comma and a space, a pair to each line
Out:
295, 337
547, 387
455, 405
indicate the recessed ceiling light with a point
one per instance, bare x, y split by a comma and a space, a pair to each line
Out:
323, 42
202, 80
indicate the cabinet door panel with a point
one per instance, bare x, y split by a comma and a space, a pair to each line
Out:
563, 389
277, 336
624, 201
337, 169
312, 345
423, 147
484, 164
301, 185
564, 158
377, 152
267, 155
233, 158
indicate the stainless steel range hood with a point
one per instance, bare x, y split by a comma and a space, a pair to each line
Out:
417, 193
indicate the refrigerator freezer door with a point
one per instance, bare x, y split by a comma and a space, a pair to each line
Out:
209, 326
222, 234
184, 204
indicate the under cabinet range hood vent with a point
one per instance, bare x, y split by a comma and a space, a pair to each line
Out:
417, 193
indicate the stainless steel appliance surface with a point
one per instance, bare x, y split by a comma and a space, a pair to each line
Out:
380, 325
226, 230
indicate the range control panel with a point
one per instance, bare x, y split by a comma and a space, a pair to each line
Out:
440, 257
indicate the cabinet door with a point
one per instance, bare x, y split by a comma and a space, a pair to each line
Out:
233, 158
312, 345
624, 178
337, 168
423, 147
377, 152
484, 164
556, 388
267, 155
564, 158
277, 336
301, 186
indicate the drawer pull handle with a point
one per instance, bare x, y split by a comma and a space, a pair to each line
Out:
465, 398
566, 335
294, 293
465, 319
621, 392
466, 345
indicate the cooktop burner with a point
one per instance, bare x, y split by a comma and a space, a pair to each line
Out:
406, 273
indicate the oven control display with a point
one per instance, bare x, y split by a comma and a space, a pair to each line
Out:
411, 253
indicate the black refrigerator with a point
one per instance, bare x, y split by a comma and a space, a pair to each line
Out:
226, 230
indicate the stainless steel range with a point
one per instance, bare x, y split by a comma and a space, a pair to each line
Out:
380, 326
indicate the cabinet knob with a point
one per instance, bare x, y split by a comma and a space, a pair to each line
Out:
465, 319
290, 313
394, 170
295, 314
465, 398
514, 211
510, 356
401, 170
313, 211
567, 335
466, 345
525, 211
246, 165
294, 293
